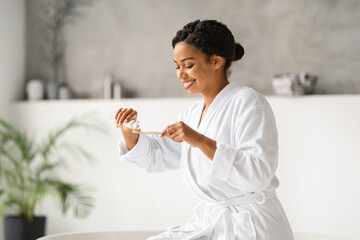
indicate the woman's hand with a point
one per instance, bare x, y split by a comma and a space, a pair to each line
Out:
125, 115
180, 132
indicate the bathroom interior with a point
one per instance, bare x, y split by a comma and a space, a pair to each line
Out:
113, 54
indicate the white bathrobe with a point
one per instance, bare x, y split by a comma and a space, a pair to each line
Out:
238, 185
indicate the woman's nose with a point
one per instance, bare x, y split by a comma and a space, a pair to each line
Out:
181, 73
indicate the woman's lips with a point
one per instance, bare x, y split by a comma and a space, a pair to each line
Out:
188, 84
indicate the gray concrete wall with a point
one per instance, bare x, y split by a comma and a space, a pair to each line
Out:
132, 41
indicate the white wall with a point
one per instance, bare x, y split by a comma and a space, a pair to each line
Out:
318, 166
12, 52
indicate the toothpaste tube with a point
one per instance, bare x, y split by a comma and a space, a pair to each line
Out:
132, 124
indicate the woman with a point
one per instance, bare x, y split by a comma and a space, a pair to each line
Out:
226, 145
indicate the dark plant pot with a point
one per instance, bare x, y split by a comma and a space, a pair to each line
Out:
17, 228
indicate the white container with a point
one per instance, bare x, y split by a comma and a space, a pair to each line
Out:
35, 90
64, 93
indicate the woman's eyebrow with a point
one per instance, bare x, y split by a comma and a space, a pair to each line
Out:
188, 58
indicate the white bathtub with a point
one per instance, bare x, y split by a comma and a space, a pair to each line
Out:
123, 235
141, 235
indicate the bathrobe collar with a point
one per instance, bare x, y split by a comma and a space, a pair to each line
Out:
215, 104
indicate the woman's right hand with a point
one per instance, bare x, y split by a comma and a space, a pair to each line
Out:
125, 115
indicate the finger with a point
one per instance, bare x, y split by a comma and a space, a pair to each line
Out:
116, 115
119, 115
168, 130
163, 134
125, 115
122, 115
131, 116
177, 138
173, 128
175, 135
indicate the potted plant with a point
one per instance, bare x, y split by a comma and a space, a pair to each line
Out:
28, 173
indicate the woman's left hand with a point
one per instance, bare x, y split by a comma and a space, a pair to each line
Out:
180, 132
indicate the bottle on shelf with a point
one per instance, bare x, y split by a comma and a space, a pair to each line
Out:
117, 90
107, 87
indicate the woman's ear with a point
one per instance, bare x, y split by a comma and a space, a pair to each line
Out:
217, 61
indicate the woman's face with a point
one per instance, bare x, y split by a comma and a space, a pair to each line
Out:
193, 68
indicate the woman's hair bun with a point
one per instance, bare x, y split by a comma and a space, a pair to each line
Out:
239, 52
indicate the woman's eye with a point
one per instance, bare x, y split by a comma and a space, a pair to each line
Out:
190, 66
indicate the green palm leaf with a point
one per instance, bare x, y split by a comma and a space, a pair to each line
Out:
75, 195
28, 170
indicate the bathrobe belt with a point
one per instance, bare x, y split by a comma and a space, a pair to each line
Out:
259, 198
221, 206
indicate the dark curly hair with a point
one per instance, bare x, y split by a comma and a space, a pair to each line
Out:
211, 37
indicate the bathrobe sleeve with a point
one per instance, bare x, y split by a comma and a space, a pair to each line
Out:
249, 165
152, 153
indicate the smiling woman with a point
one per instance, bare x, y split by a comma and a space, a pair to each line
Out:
226, 144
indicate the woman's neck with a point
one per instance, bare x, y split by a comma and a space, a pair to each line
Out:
210, 95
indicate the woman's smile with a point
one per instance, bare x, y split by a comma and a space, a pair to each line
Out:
188, 84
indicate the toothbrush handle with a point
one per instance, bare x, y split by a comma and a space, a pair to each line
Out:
155, 133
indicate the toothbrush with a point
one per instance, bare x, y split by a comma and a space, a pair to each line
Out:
138, 130
134, 125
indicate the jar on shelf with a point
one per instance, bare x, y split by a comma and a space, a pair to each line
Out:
35, 89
